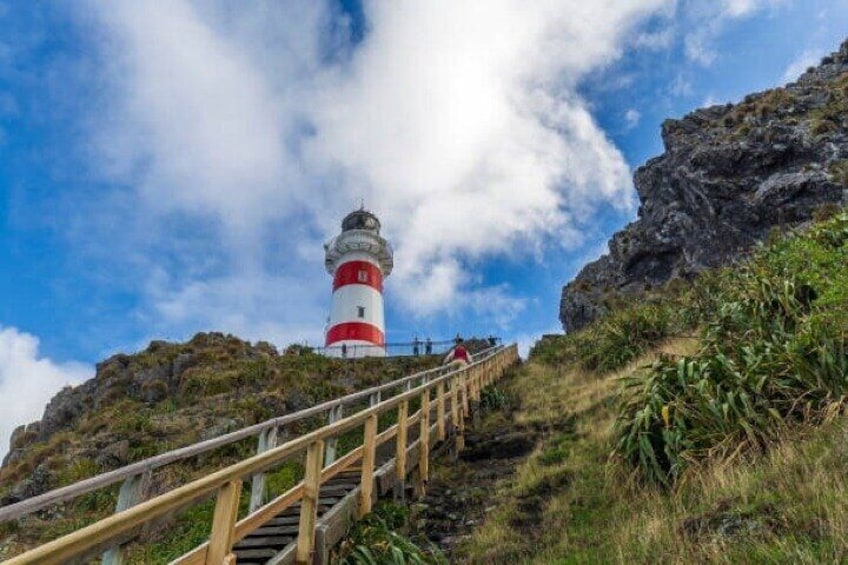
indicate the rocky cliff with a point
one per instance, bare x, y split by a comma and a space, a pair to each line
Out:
729, 175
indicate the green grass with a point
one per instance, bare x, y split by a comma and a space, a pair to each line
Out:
728, 448
773, 354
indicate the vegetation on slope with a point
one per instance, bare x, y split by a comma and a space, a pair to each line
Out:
569, 503
773, 354
711, 429
165, 397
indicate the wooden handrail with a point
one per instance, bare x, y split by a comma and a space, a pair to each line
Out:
117, 526
69, 492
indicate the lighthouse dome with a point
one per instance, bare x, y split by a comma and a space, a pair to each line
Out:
361, 220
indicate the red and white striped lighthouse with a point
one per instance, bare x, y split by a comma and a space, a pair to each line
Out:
359, 259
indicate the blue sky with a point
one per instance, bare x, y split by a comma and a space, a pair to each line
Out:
168, 168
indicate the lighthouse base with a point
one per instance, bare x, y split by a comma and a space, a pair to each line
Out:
354, 349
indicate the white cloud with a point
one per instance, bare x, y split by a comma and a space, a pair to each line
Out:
698, 46
632, 117
801, 63
705, 21
681, 86
28, 381
710, 100
458, 123
252, 305
738, 8
655, 41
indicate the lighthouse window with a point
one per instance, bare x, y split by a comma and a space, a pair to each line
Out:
362, 276
360, 311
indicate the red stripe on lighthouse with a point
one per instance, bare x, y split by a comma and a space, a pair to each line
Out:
358, 272
355, 331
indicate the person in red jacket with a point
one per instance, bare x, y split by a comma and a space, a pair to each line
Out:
458, 355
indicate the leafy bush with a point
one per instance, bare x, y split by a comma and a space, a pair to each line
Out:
375, 541
615, 340
774, 351
623, 336
493, 398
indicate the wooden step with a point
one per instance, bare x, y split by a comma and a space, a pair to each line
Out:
274, 531
265, 541
255, 555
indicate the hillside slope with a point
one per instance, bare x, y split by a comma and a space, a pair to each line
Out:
706, 425
170, 395
729, 175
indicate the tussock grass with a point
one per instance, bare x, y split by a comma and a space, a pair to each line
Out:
774, 353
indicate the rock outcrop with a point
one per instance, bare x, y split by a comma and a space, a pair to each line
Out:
729, 175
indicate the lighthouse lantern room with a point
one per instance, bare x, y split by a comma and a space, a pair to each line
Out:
359, 259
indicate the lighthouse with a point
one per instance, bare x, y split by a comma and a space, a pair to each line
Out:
358, 259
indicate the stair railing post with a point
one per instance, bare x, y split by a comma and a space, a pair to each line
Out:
309, 503
440, 410
223, 525
335, 414
369, 455
267, 440
464, 386
456, 417
475, 396
424, 446
131, 493
463, 412
400, 451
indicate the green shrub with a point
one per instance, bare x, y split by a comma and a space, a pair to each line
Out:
493, 398
623, 336
375, 541
774, 352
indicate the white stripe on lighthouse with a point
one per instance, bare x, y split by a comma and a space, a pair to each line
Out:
348, 300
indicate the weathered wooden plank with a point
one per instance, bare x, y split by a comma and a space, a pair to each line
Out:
334, 415
129, 495
267, 440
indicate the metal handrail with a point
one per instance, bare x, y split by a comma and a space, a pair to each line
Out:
69, 492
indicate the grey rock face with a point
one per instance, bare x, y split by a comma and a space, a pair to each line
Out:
729, 175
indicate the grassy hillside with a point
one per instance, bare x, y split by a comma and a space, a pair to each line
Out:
707, 424
168, 396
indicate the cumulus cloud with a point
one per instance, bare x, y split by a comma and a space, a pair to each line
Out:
253, 305
632, 118
707, 20
28, 381
459, 123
